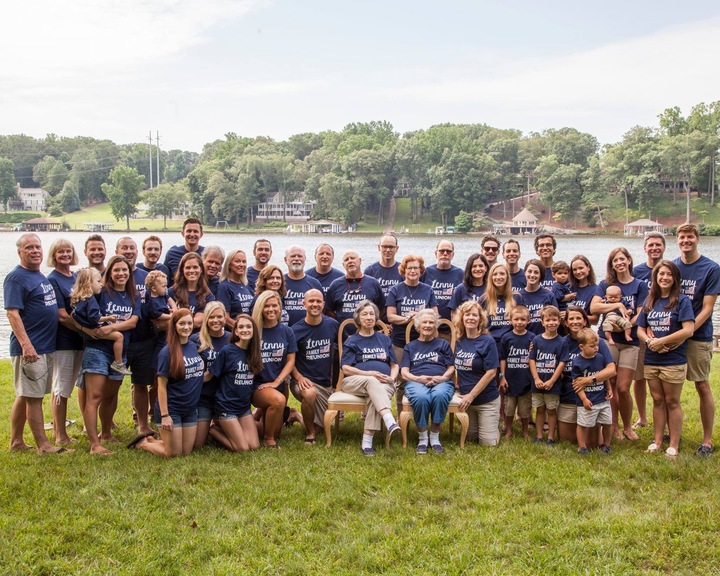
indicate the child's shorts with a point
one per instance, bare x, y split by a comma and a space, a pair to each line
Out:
598, 414
550, 401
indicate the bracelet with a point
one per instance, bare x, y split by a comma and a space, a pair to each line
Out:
164, 415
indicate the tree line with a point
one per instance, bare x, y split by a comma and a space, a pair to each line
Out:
448, 170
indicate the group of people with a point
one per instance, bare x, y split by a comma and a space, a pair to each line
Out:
214, 345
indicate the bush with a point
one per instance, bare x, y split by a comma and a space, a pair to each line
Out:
17, 217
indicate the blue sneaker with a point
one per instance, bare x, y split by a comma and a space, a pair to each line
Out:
538, 441
369, 451
437, 448
583, 451
421, 449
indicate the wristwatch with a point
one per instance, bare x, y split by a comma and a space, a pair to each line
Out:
594, 380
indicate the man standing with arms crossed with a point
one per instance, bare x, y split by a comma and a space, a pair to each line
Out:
700, 280
33, 315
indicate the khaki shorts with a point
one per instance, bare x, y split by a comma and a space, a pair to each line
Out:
67, 364
699, 357
567, 413
523, 404
33, 379
550, 401
625, 355
321, 400
670, 374
598, 414
484, 423
640, 370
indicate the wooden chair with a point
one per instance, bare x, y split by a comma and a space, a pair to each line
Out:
454, 407
340, 400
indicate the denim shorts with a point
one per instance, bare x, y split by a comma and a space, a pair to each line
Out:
187, 420
233, 415
97, 361
205, 414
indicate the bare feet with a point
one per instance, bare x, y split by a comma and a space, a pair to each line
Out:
55, 450
639, 424
20, 447
631, 435
67, 441
100, 451
109, 438
145, 430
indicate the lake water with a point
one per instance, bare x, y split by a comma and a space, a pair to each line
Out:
595, 248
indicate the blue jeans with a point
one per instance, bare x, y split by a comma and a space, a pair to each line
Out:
429, 401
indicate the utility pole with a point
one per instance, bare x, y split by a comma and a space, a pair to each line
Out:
151, 167
157, 140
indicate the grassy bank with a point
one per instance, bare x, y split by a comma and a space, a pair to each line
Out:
518, 509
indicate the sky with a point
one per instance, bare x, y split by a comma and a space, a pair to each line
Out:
194, 71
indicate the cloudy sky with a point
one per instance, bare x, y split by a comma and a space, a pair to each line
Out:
195, 70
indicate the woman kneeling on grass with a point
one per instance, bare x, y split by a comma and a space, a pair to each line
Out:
235, 367
666, 321
180, 378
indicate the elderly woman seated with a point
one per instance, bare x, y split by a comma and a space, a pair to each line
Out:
370, 369
427, 366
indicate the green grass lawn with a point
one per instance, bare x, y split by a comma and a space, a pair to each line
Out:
516, 509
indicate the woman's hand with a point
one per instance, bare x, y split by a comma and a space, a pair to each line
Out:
166, 423
465, 401
581, 382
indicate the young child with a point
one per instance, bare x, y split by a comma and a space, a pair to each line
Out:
87, 313
614, 321
561, 286
548, 355
591, 372
158, 306
515, 379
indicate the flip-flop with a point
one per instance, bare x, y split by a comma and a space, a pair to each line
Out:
139, 438
310, 441
60, 451
637, 425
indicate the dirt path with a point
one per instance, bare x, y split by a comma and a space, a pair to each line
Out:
391, 215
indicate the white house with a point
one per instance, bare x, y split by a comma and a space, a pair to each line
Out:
32, 199
273, 209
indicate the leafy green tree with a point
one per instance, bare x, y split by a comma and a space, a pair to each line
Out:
68, 200
8, 187
463, 222
124, 192
165, 199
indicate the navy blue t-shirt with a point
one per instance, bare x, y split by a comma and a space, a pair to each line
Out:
582, 366
344, 295
87, 312
295, 295
498, 323
277, 342
33, 295
325, 279
473, 358
634, 294
235, 380
462, 294
173, 257
144, 329
560, 290
66, 339
405, 299
209, 388
548, 353
548, 281
443, 283
643, 272
192, 303
235, 296
159, 267
183, 395
374, 352
316, 346
583, 296
387, 277
252, 276
700, 279
518, 281
427, 358
515, 350
664, 322
535, 302
119, 304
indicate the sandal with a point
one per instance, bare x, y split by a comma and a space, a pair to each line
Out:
310, 441
671, 452
652, 448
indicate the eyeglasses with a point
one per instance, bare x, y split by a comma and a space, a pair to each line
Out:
355, 290
412, 268
445, 250
29, 367
490, 248
386, 247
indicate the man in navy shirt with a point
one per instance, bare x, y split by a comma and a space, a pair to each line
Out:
33, 316
192, 232
312, 377
141, 345
700, 280
95, 252
347, 292
511, 255
490, 247
152, 249
323, 271
545, 248
297, 283
262, 251
443, 278
386, 270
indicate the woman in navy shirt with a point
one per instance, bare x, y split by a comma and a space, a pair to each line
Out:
190, 289
68, 343
101, 383
427, 366
473, 284
235, 368
180, 378
476, 362
233, 291
278, 348
533, 296
271, 278
625, 354
666, 321
583, 283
